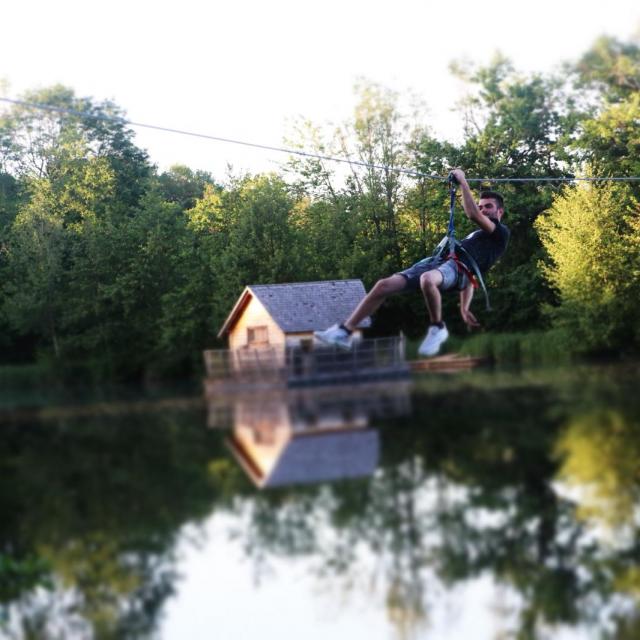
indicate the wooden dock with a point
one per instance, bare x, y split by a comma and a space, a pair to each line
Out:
449, 362
292, 366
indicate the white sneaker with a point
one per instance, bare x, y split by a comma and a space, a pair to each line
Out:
435, 337
334, 335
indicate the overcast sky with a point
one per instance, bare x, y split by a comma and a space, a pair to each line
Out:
246, 69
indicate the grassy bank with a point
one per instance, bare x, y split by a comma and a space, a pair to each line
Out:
534, 347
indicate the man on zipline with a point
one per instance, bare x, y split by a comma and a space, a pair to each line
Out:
440, 272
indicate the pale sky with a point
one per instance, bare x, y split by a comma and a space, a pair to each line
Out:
245, 69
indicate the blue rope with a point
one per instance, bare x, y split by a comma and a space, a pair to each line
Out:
453, 244
451, 231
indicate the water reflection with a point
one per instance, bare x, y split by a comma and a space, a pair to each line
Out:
90, 512
600, 455
302, 436
514, 496
491, 476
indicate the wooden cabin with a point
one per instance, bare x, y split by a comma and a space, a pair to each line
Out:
271, 342
276, 316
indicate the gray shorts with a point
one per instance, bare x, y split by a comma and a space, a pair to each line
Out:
452, 276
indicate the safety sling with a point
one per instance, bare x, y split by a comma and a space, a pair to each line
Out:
454, 246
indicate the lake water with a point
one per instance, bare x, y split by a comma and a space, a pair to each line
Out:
488, 504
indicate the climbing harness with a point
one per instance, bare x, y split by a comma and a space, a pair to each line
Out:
450, 248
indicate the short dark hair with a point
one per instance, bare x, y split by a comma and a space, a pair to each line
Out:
494, 195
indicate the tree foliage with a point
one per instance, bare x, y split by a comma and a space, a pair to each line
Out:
104, 260
592, 238
609, 141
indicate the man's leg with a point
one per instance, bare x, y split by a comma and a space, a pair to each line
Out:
379, 293
340, 335
430, 283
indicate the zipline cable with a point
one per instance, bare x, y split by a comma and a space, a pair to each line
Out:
305, 154
255, 145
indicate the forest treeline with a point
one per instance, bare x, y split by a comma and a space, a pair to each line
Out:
108, 262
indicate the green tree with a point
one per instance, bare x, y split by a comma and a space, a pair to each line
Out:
263, 245
426, 206
9, 201
35, 254
591, 236
610, 67
183, 186
367, 196
142, 273
74, 176
608, 141
365, 219
51, 246
194, 307
36, 142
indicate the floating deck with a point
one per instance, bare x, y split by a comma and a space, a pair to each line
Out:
368, 360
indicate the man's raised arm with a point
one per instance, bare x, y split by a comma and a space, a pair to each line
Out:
469, 204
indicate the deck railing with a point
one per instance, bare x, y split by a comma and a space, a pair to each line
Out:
296, 364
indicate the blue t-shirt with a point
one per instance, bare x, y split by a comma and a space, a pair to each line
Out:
485, 248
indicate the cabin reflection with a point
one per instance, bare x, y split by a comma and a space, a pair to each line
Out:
302, 436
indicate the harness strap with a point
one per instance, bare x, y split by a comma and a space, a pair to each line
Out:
476, 271
474, 274
449, 241
467, 272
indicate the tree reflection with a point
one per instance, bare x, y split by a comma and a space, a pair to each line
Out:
469, 487
531, 481
99, 504
601, 454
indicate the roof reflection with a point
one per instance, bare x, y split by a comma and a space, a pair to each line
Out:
302, 436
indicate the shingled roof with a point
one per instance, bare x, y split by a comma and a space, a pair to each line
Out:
303, 306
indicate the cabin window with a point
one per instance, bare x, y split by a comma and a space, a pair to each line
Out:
257, 336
